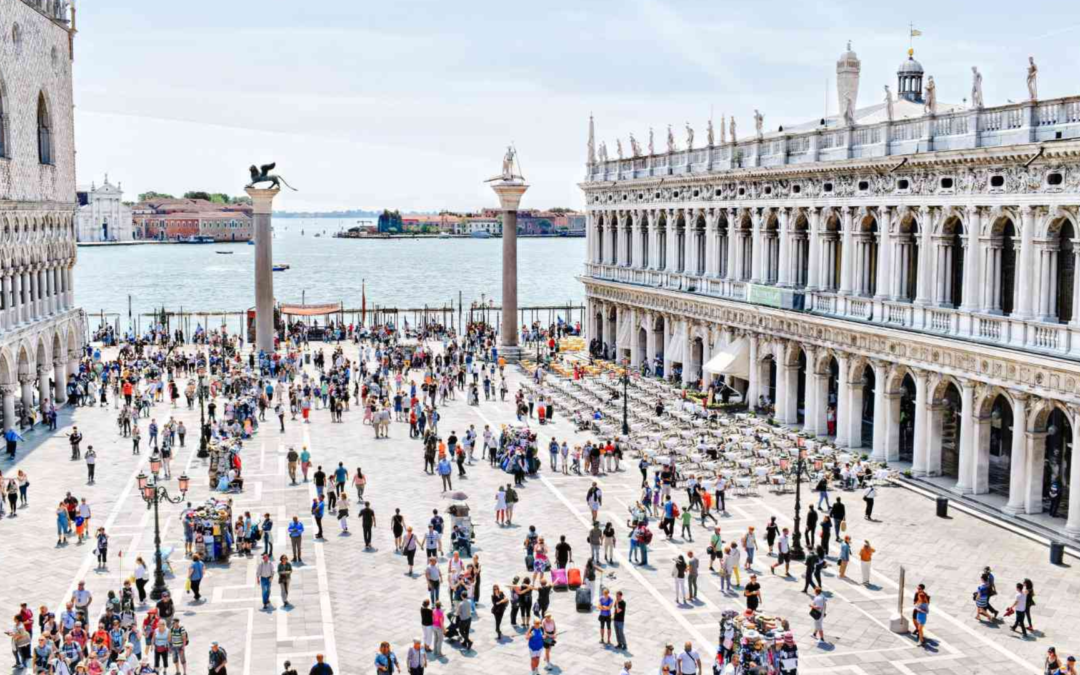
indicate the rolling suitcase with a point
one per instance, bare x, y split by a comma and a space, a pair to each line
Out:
583, 599
559, 580
573, 577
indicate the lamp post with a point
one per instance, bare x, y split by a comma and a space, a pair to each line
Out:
203, 451
797, 552
625, 398
153, 494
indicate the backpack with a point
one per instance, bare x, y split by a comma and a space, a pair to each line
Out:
647, 536
674, 510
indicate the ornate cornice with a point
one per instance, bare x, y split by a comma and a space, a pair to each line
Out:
1033, 374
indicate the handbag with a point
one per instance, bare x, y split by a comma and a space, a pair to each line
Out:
815, 613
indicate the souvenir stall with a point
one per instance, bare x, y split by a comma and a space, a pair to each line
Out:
210, 522
225, 466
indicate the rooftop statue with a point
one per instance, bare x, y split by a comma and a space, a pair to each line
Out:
671, 147
759, 122
1032, 76
930, 97
618, 147
263, 175
689, 137
723, 131
849, 112
635, 147
976, 88
710, 134
731, 123
888, 104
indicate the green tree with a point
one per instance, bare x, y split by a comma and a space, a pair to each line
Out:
220, 198
197, 194
146, 196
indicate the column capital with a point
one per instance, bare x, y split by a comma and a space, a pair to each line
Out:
262, 200
25, 379
8, 389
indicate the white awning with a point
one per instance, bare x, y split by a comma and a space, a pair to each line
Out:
622, 340
733, 359
676, 348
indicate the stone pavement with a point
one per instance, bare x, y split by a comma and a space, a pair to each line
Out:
347, 600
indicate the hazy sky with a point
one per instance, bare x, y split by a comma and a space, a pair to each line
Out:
410, 103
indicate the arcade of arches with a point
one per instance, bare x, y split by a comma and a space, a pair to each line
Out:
984, 438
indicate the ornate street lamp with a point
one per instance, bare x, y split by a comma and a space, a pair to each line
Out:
626, 399
203, 451
797, 552
153, 494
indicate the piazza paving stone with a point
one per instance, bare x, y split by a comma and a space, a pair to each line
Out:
348, 599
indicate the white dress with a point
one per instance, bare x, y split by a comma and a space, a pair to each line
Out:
500, 501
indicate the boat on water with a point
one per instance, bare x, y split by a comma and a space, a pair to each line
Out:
280, 267
197, 239
481, 234
317, 234
224, 252
444, 235
251, 242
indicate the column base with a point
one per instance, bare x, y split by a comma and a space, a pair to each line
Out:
1013, 510
512, 353
898, 623
961, 490
1073, 531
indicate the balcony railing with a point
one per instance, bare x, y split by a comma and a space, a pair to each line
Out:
1046, 337
1012, 124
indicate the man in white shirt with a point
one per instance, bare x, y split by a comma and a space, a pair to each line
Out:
626, 668
688, 660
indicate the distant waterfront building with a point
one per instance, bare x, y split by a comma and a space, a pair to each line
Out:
41, 331
172, 219
103, 216
912, 272
475, 224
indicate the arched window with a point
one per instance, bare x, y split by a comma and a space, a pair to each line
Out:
44, 132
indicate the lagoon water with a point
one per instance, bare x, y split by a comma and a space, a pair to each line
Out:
397, 272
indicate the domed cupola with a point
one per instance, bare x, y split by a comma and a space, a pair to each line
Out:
909, 79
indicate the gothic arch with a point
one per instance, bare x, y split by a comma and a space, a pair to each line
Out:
1000, 217
7, 372
1039, 413
984, 401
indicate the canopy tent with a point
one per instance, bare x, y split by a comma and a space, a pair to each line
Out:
733, 359
622, 340
311, 310
676, 346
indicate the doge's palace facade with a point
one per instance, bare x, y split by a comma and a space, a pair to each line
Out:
911, 268
41, 332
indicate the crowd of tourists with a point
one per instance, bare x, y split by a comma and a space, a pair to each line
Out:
406, 382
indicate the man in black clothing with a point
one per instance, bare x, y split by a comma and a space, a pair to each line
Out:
321, 667
320, 481
838, 512
562, 553
367, 522
811, 525
811, 569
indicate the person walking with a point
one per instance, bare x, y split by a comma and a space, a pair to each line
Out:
818, 608
783, 553
869, 495
921, 610
265, 575
296, 535
679, 574
318, 508
196, 571
692, 565
284, 572
499, 602
415, 658
1019, 606
845, 555
536, 646
409, 548
367, 523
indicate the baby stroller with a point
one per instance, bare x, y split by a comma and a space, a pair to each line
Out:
453, 632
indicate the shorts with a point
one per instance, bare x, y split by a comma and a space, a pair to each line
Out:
536, 653
178, 655
783, 558
605, 621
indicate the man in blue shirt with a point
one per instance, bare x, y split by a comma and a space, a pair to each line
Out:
318, 508
195, 575
445, 470
296, 531
12, 438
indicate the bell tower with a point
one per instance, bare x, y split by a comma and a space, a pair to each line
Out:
847, 78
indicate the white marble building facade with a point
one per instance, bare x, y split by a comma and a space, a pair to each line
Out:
102, 215
924, 287
41, 331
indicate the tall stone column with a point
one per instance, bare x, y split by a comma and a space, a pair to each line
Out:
510, 193
8, 393
965, 482
27, 385
1072, 526
262, 201
59, 381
